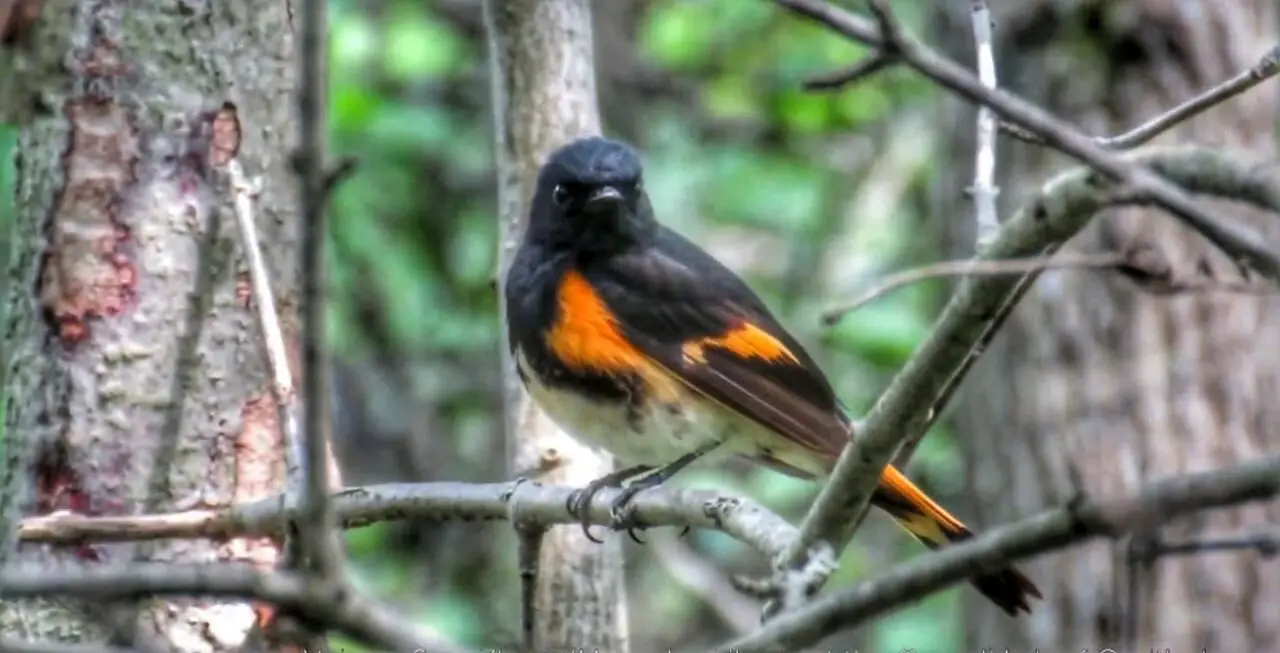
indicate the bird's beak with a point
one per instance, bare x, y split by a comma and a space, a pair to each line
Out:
603, 198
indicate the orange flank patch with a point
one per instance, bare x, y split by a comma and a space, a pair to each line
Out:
586, 337
932, 521
746, 341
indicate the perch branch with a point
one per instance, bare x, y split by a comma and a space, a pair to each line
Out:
531, 503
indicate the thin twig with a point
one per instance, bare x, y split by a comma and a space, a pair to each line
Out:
243, 192
1242, 243
706, 581
1079, 520
984, 190
1266, 67
1062, 208
317, 530
970, 267
843, 78
939, 405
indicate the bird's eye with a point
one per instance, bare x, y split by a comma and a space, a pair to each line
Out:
561, 195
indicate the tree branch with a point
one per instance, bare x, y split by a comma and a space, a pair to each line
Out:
531, 503
1266, 68
317, 529
1240, 242
542, 74
331, 606
1075, 522
984, 189
970, 267
1063, 206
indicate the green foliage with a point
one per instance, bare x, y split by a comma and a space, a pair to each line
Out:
747, 159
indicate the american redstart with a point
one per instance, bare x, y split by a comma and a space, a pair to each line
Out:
636, 341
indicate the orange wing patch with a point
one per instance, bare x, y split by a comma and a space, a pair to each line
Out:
586, 337
746, 341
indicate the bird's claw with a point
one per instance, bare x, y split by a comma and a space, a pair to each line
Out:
579, 505
622, 513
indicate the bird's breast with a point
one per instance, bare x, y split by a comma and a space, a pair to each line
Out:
635, 424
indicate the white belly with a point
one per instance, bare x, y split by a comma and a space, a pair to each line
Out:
668, 434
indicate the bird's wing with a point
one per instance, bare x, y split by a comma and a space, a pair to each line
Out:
702, 324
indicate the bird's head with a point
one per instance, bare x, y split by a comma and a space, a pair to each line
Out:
590, 198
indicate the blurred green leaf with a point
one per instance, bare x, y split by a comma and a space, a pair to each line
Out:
676, 35
353, 107
418, 47
883, 332
353, 42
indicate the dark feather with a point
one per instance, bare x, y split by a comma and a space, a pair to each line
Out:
672, 293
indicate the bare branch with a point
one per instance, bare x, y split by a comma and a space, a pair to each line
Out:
542, 74
243, 191
843, 78
317, 529
1062, 208
984, 189
21, 646
1266, 544
333, 607
704, 580
1267, 67
970, 267
531, 503
1079, 520
1240, 242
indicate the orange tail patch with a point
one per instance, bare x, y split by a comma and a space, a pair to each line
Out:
935, 527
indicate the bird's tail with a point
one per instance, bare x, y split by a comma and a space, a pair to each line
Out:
935, 527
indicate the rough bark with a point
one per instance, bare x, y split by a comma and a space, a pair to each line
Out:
1093, 374
544, 93
137, 381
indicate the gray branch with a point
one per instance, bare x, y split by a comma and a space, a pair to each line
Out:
336, 609
527, 502
1080, 520
1063, 206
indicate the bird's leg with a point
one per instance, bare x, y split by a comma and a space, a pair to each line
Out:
620, 511
579, 503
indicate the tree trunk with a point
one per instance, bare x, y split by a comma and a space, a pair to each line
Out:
1095, 375
137, 380
544, 93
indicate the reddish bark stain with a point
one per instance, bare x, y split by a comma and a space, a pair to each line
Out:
225, 142
59, 488
260, 472
17, 20
244, 289
87, 272
259, 450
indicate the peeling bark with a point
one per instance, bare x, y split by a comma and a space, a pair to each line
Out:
545, 95
1096, 375
133, 357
